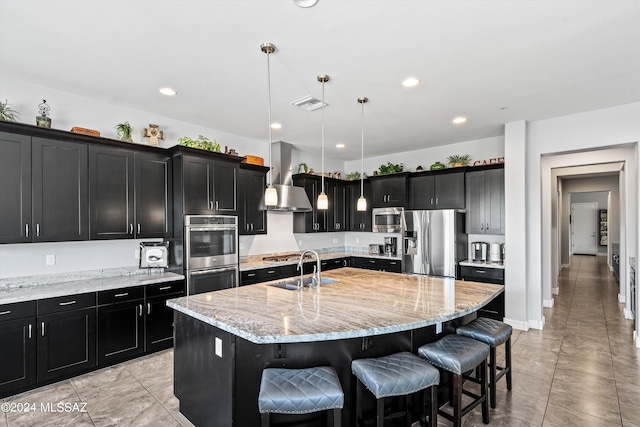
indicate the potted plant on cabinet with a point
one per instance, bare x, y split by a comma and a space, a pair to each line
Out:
458, 160
7, 113
124, 131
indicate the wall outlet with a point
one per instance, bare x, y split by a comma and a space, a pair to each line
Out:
241, 246
357, 240
136, 254
299, 243
335, 240
50, 260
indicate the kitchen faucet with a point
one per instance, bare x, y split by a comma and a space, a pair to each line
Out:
316, 269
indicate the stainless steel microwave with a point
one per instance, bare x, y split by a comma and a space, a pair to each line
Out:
386, 220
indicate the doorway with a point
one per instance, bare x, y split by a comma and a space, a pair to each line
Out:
583, 228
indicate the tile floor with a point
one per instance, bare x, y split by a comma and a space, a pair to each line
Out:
581, 370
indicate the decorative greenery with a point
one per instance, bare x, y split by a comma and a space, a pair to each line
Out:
7, 113
390, 168
437, 166
459, 159
124, 131
303, 168
353, 176
203, 143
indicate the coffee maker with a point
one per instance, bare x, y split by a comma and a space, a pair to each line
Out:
479, 251
390, 245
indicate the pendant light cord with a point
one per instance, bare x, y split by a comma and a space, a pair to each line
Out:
323, 105
269, 118
362, 154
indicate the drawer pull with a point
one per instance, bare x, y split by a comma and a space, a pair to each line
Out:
392, 262
270, 272
480, 271
2, 313
251, 274
372, 261
67, 303
164, 288
124, 294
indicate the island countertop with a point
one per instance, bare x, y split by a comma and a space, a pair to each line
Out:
361, 303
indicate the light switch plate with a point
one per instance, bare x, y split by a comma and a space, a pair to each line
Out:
50, 260
218, 344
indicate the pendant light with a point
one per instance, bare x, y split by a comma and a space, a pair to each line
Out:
270, 194
323, 201
362, 202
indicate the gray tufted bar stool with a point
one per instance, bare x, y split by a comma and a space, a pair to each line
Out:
400, 374
300, 391
457, 355
493, 333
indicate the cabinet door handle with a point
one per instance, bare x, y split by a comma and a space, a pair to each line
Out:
2, 313
42, 328
431, 202
436, 200
344, 263
29, 330
211, 205
130, 228
487, 227
37, 230
68, 303
140, 310
217, 205
138, 228
164, 288
124, 294
26, 230
148, 308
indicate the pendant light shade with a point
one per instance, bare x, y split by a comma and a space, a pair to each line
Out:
270, 194
361, 206
323, 200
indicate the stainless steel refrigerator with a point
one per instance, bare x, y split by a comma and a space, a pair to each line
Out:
433, 242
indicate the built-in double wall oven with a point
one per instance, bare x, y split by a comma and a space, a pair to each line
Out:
210, 252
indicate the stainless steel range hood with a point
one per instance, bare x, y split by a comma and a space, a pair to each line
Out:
290, 198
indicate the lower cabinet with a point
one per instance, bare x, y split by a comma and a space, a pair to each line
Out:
18, 349
159, 317
495, 308
66, 340
390, 265
332, 264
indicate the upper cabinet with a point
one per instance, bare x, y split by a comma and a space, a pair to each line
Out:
252, 216
485, 201
359, 221
441, 190
389, 190
205, 184
335, 217
130, 194
44, 190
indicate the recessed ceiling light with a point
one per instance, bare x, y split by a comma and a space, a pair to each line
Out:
459, 120
340, 145
167, 91
305, 3
276, 126
410, 82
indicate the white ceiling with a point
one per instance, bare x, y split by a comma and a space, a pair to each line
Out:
538, 58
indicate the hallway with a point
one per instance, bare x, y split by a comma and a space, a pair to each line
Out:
583, 368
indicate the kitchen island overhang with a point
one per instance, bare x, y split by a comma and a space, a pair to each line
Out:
224, 339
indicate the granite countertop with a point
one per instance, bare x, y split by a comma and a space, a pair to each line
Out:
468, 263
39, 287
255, 262
362, 303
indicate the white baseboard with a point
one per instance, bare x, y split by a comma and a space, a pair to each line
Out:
548, 303
563, 266
622, 299
628, 314
555, 291
599, 254
516, 324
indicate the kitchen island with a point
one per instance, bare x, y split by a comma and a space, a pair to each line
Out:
224, 339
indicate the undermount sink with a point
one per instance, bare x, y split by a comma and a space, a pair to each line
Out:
292, 285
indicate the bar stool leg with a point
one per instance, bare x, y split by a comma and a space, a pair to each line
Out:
264, 419
337, 417
483, 392
507, 351
457, 400
433, 407
380, 412
406, 410
492, 375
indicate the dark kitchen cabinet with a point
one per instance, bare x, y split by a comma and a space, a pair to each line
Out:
159, 317
66, 343
250, 277
120, 324
380, 264
15, 188
130, 194
18, 349
389, 191
442, 190
332, 264
485, 201
316, 220
252, 215
337, 214
208, 186
495, 308
359, 221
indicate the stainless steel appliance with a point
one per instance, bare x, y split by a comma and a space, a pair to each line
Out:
433, 242
386, 220
479, 251
390, 245
495, 254
153, 254
210, 252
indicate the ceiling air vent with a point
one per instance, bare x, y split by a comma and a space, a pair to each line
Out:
309, 103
